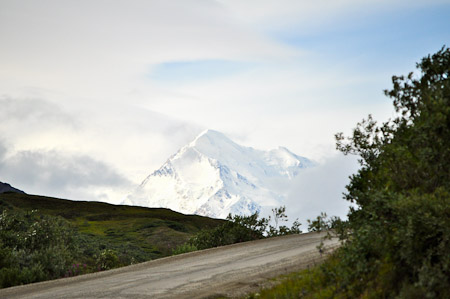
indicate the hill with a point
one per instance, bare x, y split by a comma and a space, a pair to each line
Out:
136, 233
5, 187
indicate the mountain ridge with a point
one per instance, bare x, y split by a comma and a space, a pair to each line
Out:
214, 176
5, 187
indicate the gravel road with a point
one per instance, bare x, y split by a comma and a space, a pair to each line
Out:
226, 271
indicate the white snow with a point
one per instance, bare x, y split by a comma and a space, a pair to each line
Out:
213, 176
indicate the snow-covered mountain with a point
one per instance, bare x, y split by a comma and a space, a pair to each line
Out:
213, 176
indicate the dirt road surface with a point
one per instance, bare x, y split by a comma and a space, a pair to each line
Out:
229, 271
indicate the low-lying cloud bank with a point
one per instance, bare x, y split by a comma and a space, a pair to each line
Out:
320, 189
53, 173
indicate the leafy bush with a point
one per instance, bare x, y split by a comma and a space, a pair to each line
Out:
236, 229
33, 247
308, 283
184, 248
279, 215
244, 228
397, 238
402, 190
107, 259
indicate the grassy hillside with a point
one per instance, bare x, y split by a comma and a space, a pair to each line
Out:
139, 233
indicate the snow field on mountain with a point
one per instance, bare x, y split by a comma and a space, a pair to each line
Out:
213, 176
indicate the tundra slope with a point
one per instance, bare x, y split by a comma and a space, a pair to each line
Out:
214, 176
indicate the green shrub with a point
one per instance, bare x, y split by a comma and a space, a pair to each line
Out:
184, 248
244, 228
34, 247
397, 236
402, 190
107, 259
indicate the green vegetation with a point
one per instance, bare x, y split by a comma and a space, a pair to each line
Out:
308, 283
184, 248
243, 228
33, 247
44, 238
397, 239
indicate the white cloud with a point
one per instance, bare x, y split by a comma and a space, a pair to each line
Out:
321, 189
133, 140
65, 174
107, 49
76, 77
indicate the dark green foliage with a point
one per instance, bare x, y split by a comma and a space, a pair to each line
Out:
333, 225
397, 238
319, 224
236, 229
308, 283
244, 228
402, 190
34, 247
107, 259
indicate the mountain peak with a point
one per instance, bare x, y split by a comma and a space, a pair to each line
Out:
215, 145
214, 176
212, 137
208, 133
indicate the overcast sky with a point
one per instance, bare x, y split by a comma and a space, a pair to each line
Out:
95, 95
